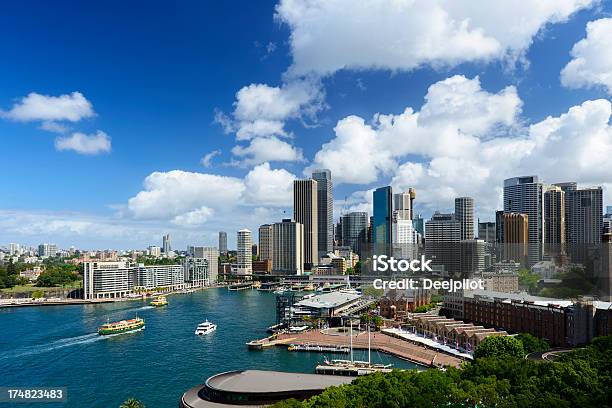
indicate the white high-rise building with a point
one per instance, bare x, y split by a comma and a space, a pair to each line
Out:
160, 276
46, 250
14, 249
108, 279
154, 251
244, 260
103, 280
211, 254
197, 272
404, 238
288, 248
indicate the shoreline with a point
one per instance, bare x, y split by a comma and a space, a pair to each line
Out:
31, 302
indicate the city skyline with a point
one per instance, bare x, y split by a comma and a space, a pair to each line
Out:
109, 166
535, 199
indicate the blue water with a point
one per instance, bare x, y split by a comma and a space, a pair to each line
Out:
57, 346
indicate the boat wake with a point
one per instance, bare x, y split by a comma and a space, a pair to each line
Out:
61, 343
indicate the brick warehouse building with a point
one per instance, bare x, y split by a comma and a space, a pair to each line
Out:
561, 322
395, 304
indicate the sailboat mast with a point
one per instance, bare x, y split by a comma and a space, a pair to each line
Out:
369, 348
351, 336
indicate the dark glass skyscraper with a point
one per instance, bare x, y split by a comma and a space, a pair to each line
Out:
326, 210
383, 216
354, 230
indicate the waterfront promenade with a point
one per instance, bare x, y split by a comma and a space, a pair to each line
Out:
379, 342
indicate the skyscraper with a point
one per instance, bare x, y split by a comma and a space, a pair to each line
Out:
45, 250
166, 245
244, 260
403, 204
383, 217
354, 230
499, 226
404, 237
419, 224
223, 242
567, 188
516, 237
585, 216
211, 254
525, 195
464, 214
442, 238
487, 232
325, 216
305, 203
265, 242
554, 220
288, 248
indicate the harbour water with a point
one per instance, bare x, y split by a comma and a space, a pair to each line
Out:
57, 346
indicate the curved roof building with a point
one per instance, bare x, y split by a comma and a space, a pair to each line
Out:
255, 388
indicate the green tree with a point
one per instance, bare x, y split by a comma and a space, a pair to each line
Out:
132, 403
531, 343
528, 280
10, 268
577, 379
37, 294
500, 346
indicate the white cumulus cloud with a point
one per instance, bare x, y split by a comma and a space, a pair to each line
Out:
36, 107
457, 113
330, 35
591, 63
82, 143
267, 149
267, 186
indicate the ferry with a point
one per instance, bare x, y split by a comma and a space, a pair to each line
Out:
159, 301
205, 328
123, 326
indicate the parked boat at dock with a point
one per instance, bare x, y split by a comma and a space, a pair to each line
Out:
240, 286
318, 348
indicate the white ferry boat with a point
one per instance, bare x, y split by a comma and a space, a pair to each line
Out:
205, 328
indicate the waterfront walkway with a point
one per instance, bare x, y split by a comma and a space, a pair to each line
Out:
379, 342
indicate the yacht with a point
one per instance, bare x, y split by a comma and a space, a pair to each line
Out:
205, 328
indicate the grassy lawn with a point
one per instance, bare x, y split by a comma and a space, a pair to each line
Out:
32, 288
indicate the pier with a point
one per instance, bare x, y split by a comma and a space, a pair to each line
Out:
380, 342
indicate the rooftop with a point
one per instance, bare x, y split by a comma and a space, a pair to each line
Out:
328, 300
536, 300
272, 381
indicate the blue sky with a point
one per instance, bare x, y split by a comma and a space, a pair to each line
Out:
159, 80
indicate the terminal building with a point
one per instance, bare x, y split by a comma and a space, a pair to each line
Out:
256, 388
332, 304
